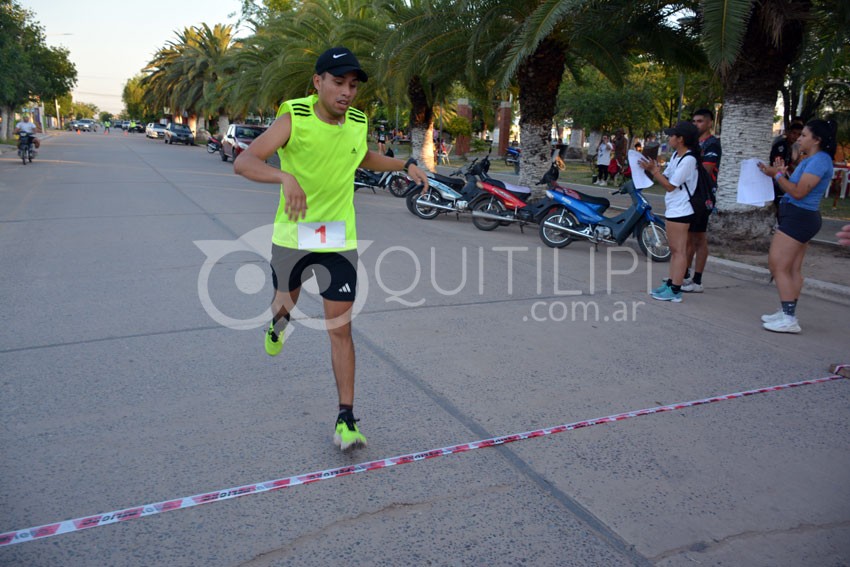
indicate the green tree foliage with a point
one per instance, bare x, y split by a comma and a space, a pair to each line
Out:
28, 67
135, 103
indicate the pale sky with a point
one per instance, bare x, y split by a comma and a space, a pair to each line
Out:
112, 40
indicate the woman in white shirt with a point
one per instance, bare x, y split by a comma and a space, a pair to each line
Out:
680, 171
603, 158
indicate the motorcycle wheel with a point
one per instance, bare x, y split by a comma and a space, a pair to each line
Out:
492, 206
23, 156
420, 211
554, 238
398, 186
211, 149
652, 240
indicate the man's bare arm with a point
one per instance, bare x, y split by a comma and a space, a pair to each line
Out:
252, 165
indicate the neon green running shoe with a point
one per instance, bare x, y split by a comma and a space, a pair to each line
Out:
347, 436
273, 346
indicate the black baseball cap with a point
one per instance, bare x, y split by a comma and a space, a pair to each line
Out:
338, 61
684, 129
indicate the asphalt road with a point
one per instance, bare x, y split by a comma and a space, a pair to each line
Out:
121, 386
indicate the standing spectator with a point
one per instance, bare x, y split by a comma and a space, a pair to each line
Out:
621, 150
652, 146
786, 148
681, 170
603, 159
381, 136
710, 153
799, 219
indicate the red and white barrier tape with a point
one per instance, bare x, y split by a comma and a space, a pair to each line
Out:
68, 526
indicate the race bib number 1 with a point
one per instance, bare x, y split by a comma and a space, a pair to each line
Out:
319, 235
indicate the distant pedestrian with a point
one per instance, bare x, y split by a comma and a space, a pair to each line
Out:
621, 150
681, 170
106, 125
799, 218
603, 160
651, 146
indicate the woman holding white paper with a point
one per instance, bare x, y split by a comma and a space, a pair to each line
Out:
681, 170
799, 218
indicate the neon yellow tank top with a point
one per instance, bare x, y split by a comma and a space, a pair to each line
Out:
323, 158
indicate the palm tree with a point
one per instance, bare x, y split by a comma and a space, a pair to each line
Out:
425, 49
535, 42
185, 74
733, 33
278, 59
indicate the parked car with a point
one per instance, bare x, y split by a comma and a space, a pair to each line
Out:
155, 130
179, 133
237, 139
123, 124
86, 125
71, 125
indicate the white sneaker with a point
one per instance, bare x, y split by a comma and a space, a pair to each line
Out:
785, 324
692, 287
687, 281
772, 316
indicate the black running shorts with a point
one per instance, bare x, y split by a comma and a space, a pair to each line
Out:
336, 272
700, 223
800, 224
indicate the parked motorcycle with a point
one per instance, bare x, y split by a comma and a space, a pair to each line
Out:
512, 158
393, 181
450, 194
581, 217
26, 147
213, 145
505, 203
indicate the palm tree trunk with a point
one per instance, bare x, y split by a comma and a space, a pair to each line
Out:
421, 125
751, 87
539, 77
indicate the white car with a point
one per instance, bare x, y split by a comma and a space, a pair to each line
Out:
155, 130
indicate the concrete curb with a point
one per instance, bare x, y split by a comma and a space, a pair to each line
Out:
811, 287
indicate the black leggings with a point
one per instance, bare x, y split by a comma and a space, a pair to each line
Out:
603, 172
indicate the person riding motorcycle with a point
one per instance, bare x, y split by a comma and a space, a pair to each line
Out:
28, 127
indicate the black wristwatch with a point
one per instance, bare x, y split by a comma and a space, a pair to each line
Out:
409, 162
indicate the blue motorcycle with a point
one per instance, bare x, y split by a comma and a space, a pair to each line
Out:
512, 158
580, 216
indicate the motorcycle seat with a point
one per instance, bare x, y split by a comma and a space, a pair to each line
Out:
450, 181
585, 198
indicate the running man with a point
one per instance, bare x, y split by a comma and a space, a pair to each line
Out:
321, 140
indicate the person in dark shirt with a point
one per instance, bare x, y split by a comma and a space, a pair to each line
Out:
709, 145
785, 148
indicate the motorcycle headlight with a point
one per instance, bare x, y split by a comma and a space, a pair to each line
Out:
550, 194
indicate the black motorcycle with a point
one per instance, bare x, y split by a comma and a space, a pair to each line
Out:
393, 181
213, 145
26, 147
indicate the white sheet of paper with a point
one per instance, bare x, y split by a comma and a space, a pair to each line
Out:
639, 176
754, 187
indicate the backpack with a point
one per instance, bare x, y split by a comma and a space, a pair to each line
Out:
703, 198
